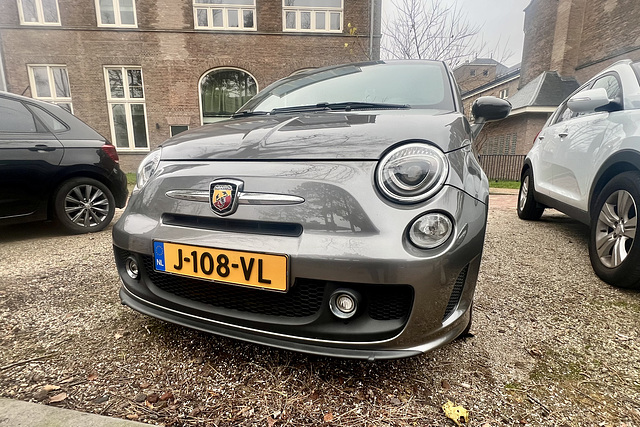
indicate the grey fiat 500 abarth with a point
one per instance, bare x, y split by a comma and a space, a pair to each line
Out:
340, 211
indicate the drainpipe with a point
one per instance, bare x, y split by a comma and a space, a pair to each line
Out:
3, 79
371, 31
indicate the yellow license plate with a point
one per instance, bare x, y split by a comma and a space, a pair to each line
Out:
223, 265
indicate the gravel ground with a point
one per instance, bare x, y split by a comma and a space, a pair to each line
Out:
551, 345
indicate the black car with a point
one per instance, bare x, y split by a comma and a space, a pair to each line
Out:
52, 165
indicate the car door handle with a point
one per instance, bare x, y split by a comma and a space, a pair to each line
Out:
42, 147
541, 137
563, 134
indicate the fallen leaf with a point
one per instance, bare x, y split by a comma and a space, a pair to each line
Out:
195, 412
132, 416
50, 387
58, 398
92, 376
455, 413
445, 384
395, 401
328, 417
166, 396
314, 395
271, 422
152, 398
144, 384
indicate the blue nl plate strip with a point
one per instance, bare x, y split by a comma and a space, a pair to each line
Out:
158, 253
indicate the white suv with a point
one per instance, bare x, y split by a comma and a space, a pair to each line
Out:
586, 163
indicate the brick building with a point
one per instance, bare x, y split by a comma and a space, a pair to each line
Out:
139, 71
566, 43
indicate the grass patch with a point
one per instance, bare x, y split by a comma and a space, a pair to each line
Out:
131, 178
504, 184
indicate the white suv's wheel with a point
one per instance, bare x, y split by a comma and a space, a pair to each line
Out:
613, 250
528, 208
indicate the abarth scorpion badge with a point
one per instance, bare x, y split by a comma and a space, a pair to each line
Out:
223, 195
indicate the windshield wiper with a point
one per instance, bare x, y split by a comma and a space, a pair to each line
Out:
247, 113
346, 106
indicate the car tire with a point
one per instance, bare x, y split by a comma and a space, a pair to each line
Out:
84, 205
613, 248
528, 208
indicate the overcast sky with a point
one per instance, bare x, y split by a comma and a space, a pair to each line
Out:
501, 21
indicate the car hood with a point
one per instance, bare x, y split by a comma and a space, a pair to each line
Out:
317, 135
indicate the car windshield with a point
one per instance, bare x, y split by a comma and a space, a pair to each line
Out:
371, 85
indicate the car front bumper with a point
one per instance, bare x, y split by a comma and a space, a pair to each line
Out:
411, 300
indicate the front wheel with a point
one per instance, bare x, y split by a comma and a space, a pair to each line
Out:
528, 208
84, 205
613, 250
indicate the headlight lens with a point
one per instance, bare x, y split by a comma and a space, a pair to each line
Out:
430, 230
147, 168
412, 173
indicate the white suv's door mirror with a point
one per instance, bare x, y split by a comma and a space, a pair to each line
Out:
588, 101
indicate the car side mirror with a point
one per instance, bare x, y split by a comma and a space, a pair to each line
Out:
588, 101
488, 109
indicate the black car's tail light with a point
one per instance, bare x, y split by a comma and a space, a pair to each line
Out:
412, 173
110, 151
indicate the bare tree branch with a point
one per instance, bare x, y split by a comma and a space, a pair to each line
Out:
431, 29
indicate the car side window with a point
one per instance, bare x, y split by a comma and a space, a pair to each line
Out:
611, 85
564, 114
15, 118
50, 121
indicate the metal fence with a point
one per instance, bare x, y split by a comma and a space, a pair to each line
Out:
502, 167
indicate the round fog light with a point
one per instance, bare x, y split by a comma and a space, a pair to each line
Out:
430, 230
131, 266
343, 304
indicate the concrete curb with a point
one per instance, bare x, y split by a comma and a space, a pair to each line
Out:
16, 413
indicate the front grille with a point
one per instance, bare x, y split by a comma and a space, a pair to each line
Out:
389, 302
456, 293
234, 225
303, 299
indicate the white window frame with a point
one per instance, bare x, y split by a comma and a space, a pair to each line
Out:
54, 99
40, 12
225, 7
127, 101
117, 17
312, 10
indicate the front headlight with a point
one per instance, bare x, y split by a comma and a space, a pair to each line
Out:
147, 167
412, 173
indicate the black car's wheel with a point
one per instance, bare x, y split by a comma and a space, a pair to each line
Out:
528, 208
613, 250
84, 205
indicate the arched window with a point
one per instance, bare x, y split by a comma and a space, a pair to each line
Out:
223, 91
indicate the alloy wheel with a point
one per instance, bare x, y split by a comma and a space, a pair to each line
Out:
86, 205
616, 228
524, 191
